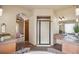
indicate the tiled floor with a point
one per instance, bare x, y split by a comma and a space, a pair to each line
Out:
57, 48
23, 45
46, 49
39, 48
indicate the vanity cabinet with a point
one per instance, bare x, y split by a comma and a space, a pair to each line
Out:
70, 47
8, 47
58, 38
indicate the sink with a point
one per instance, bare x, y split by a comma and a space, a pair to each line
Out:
2, 39
5, 37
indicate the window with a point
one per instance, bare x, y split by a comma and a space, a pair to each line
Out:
69, 28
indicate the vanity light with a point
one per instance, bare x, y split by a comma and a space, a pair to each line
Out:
77, 11
61, 18
22, 16
77, 20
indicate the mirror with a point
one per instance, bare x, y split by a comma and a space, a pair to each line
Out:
67, 26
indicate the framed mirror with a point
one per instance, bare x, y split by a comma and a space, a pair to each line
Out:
3, 27
67, 26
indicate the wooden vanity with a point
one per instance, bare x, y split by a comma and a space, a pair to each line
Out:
70, 47
8, 47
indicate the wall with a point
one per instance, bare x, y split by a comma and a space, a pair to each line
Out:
33, 20
32, 30
9, 17
10, 12
68, 13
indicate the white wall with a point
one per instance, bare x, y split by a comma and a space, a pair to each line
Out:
10, 12
68, 13
41, 12
32, 30
9, 17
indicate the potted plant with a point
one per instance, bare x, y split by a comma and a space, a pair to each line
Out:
76, 29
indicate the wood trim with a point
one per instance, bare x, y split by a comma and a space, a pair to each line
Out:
26, 29
43, 17
43, 20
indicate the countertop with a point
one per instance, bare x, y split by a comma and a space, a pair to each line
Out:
76, 42
8, 41
12, 40
69, 38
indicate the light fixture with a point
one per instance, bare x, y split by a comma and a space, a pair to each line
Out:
21, 16
1, 11
77, 20
77, 13
77, 10
61, 18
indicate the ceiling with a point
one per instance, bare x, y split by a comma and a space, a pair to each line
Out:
55, 7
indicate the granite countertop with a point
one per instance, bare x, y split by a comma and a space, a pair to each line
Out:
71, 39
72, 42
16, 40
8, 41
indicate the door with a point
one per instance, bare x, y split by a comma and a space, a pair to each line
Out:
44, 32
27, 30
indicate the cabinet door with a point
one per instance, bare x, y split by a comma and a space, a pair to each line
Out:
7, 48
19, 45
27, 30
69, 48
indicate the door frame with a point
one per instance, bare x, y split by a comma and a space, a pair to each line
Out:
39, 21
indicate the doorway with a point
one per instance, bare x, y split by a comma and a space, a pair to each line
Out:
22, 31
44, 31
